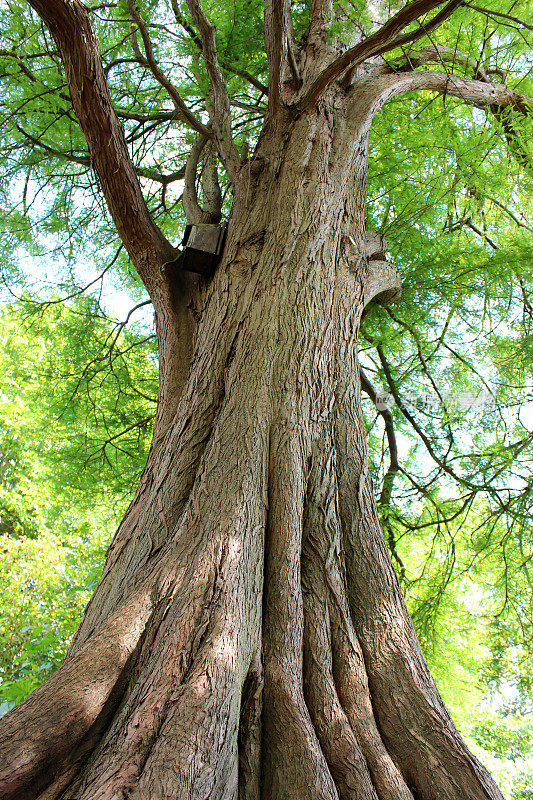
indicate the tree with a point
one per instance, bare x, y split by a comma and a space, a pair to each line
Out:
248, 636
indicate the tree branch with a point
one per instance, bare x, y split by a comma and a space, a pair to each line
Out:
182, 20
185, 114
85, 161
211, 193
383, 40
278, 43
69, 24
489, 12
441, 54
192, 208
393, 469
509, 213
388, 421
221, 117
321, 15
477, 93
513, 139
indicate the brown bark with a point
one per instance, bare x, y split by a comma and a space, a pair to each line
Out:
248, 638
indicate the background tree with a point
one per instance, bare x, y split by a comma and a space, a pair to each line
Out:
77, 397
248, 634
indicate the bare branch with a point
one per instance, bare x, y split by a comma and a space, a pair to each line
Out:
383, 40
221, 117
185, 114
393, 468
85, 161
489, 12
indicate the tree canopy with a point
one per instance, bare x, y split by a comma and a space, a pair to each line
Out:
447, 372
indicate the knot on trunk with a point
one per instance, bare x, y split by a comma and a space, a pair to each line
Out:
383, 283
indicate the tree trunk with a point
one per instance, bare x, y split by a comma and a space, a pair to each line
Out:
248, 638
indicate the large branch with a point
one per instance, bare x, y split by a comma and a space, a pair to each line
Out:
477, 93
322, 12
221, 112
181, 20
383, 40
279, 48
69, 24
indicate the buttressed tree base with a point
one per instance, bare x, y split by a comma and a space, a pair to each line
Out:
248, 638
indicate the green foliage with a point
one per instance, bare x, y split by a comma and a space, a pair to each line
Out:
45, 584
78, 398
76, 401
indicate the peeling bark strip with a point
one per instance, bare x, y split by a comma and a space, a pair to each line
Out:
248, 639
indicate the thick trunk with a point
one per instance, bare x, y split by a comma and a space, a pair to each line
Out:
248, 638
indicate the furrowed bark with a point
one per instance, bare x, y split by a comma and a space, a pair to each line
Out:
477, 93
336, 682
404, 696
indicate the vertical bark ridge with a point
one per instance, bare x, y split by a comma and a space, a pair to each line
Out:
174, 727
337, 739
172, 467
250, 732
337, 662
294, 765
430, 753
